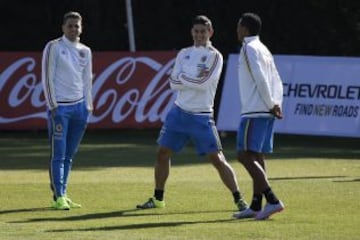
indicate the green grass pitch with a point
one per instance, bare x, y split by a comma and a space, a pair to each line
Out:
316, 177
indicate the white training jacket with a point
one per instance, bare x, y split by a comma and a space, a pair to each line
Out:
67, 73
260, 87
196, 93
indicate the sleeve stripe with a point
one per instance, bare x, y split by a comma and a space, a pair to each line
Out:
174, 81
48, 83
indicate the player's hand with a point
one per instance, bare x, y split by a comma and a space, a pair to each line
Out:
203, 72
276, 111
53, 111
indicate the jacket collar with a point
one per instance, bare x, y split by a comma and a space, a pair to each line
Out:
70, 43
250, 39
208, 45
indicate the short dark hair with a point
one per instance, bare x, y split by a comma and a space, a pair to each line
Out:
68, 15
252, 22
202, 19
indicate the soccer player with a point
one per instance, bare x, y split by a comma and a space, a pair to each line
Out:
195, 76
261, 98
67, 83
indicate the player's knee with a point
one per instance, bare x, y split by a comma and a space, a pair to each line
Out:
217, 159
243, 157
247, 157
164, 153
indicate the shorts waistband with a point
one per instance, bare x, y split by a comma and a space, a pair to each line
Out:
70, 102
195, 113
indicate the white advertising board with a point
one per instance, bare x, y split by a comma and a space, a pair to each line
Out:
321, 96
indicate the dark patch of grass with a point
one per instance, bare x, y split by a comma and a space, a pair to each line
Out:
113, 148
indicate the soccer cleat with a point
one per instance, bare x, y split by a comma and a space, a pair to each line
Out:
247, 213
242, 205
72, 204
269, 210
152, 203
60, 204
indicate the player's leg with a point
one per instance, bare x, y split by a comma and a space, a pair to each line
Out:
228, 177
167, 141
170, 140
224, 169
253, 141
162, 169
76, 130
207, 141
249, 141
255, 170
273, 204
58, 124
260, 158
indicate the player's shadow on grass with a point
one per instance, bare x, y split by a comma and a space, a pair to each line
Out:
339, 179
122, 213
25, 210
150, 225
347, 180
304, 178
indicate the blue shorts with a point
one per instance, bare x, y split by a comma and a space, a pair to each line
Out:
255, 134
181, 126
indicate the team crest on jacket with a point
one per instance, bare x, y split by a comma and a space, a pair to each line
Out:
81, 54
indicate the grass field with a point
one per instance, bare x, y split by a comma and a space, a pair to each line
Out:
316, 177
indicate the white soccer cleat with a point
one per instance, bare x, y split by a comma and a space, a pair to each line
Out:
247, 213
269, 210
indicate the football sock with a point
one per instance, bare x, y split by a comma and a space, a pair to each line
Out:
270, 196
256, 202
236, 196
159, 194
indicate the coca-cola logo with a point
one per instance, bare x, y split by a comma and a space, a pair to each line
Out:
131, 90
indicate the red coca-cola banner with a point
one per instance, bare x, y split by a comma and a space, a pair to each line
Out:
130, 90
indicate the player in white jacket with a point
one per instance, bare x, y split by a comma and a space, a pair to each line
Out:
261, 98
67, 83
195, 76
